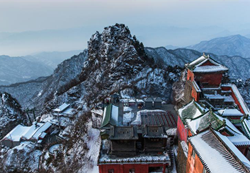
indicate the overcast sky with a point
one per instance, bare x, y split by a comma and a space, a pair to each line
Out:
154, 22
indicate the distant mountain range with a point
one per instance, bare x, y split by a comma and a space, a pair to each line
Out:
230, 45
238, 66
51, 59
21, 69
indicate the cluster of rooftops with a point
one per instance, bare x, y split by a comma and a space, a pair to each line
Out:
38, 132
141, 140
215, 123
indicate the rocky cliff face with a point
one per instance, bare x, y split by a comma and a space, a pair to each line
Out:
115, 61
11, 114
118, 62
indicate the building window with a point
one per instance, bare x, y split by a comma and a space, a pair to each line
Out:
131, 171
111, 171
155, 169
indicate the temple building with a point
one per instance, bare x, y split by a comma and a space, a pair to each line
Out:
142, 145
216, 117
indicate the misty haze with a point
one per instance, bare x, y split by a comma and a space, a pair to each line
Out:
135, 86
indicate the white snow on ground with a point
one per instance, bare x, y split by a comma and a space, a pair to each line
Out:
95, 169
97, 111
40, 93
28, 157
124, 96
93, 142
127, 117
46, 118
54, 148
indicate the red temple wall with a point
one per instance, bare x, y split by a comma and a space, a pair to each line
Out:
195, 95
124, 168
243, 149
190, 75
181, 130
213, 79
194, 164
235, 98
207, 63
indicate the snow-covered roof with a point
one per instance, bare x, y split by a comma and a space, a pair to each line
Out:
139, 100
115, 113
237, 138
141, 158
69, 111
32, 130
191, 110
154, 117
246, 127
208, 68
127, 117
198, 65
42, 129
197, 61
204, 121
240, 99
131, 101
214, 155
16, 133
235, 150
217, 123
149, 99
62, 107
196, 87
28, 132
110, 115
214, 96
230, 112
158, 99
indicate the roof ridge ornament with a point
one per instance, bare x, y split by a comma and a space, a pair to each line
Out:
206, 56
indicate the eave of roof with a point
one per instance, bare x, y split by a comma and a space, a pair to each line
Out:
107, 115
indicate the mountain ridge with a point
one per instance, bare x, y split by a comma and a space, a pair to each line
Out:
234, 45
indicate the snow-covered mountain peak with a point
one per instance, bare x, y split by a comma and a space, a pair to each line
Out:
111, 42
